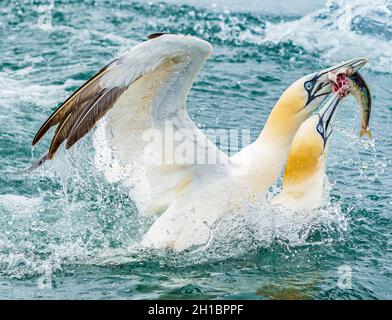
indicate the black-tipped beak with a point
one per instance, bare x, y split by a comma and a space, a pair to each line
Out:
358, 64
327, 116
350, 66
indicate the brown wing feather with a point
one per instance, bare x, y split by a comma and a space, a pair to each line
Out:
87, 120
59, 136
65, 126
84, 93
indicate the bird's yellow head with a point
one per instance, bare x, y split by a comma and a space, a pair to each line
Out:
300, 100
309, 147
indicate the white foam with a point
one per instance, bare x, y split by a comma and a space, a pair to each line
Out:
331, 32
262, 226
17, 89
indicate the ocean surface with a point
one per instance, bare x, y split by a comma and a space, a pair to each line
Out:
65, 232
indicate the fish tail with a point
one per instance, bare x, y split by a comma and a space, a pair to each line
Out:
365, 132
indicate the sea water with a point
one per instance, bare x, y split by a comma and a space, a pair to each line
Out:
65, 232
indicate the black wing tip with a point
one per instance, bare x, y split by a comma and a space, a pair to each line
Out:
35, 141
156, 35
38, 136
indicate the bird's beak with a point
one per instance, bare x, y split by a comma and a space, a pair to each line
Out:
350, 66
327, 116
321, 82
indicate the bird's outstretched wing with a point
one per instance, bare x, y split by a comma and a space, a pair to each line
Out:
144, 95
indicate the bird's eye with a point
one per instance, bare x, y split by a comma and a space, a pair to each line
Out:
320, 128
309, 85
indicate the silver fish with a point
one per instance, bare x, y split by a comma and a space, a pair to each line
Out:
346, 83
360, 90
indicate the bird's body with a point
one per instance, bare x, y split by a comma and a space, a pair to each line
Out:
190, 219
148, 142
191, 197
245, 177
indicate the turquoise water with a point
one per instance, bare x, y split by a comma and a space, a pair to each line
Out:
65, 232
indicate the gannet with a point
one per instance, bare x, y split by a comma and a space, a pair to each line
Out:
146, 89
304, 176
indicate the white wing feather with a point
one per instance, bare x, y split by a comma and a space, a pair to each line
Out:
159, 73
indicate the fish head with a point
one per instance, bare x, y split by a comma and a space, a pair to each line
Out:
315, 87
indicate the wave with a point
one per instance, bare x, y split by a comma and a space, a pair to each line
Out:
341, 30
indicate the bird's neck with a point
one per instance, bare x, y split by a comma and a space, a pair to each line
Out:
303, 179
306, 194
263, 160
281, 125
